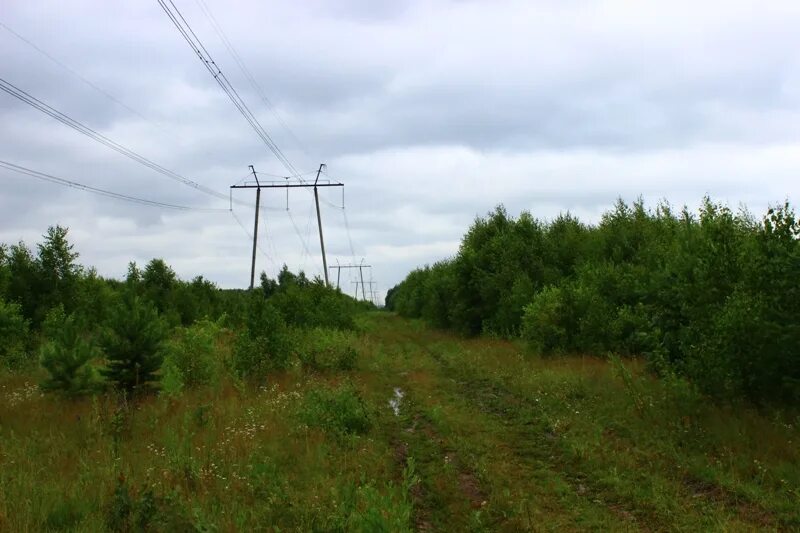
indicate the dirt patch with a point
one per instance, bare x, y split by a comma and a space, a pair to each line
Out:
746, 510
471, 488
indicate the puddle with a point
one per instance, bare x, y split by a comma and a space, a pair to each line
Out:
394, 402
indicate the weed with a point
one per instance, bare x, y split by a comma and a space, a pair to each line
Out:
340, 410
328, 349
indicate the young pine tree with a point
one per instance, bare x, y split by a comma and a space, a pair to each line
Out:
132, 344
67, 356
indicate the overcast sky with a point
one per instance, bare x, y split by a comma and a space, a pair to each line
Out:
431, 112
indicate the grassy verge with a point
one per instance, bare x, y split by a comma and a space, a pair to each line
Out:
483, 438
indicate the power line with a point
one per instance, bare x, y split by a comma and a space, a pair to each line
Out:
253, 83
250, 238
202, 53
346, 221
79, 76
103, 192
37, 104
297, 231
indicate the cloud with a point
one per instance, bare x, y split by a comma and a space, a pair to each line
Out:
432, 112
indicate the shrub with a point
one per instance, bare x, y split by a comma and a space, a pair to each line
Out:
191, 357
712, 296
340, 410
132, 343
67, 356
309, 303
13, 333
328, 349
266, 343
141, 509
65, 515
544, 321
369, 507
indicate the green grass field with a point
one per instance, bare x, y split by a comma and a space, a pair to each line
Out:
484, 438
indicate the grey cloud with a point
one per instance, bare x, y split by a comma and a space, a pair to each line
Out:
431, 112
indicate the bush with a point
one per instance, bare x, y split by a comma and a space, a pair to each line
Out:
13, 335
141, 509
266, 344
328, 349
712, 295
339, 410
67, 356
309, 303
544, 321
132, 343
191, 356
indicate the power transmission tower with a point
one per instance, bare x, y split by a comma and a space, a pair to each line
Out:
278, 185
339, 268
363, 290
371, 290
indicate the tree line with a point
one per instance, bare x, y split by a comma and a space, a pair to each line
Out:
153, 330
711, 296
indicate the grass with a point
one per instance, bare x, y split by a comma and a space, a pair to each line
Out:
487, 438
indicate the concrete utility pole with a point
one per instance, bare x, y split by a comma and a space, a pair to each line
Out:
255, 230
287, 185
361, 273
363, 290
371, 289
340, 267
319, 223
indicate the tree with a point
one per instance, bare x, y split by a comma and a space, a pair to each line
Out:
67, 356
59, 271
132, 344
159, 282
13, 332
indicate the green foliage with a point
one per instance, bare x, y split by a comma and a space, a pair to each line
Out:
713, 296
266, 343
141, 509
67, 356
545, 321
132, 342
328, 349
13, 335
40, 282
191, 356
340, 410
59, 273
66, 515
131, 318
368, 507
306, 303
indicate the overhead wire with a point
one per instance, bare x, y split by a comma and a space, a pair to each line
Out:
246, 71
224, 83
186, 31
197, 46
346, 221
78, 75
297, 231
65, 119
96, 190
250, 237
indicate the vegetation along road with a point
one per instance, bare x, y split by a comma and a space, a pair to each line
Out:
423, 430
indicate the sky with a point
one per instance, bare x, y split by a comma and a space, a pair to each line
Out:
430, 112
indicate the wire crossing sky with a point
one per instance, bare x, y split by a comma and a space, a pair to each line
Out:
102, 192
